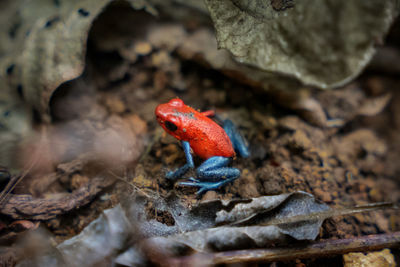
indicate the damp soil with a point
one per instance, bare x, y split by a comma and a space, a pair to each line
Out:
352, 165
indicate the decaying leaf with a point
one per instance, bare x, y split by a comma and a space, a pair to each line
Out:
253, 222
119, 236
99, 240
264, 221
295, 204
324, 43
44, 44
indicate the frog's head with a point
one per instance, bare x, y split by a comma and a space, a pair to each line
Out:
168, 116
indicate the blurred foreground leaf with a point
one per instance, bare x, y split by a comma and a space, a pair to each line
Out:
44, 44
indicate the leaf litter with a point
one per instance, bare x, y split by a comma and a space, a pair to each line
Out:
264, 221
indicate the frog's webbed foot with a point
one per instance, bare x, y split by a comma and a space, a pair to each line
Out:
213, 174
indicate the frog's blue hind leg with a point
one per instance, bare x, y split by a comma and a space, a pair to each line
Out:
213, 174
238, 142
182, 170
214, 169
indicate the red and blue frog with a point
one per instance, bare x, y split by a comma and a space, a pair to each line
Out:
215, 144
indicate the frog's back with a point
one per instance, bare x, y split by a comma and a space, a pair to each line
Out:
206, 137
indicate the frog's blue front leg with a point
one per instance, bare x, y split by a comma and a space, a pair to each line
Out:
238, 142
213, 174
182, 170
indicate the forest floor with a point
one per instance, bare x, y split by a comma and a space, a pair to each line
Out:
354, 163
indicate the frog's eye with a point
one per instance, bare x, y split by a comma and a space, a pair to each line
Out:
171, 126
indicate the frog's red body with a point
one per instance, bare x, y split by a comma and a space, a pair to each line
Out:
206, 138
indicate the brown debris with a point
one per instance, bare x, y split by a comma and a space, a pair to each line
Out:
381, 258
27, 207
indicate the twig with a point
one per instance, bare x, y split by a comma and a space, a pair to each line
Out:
326, 248
27, 207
